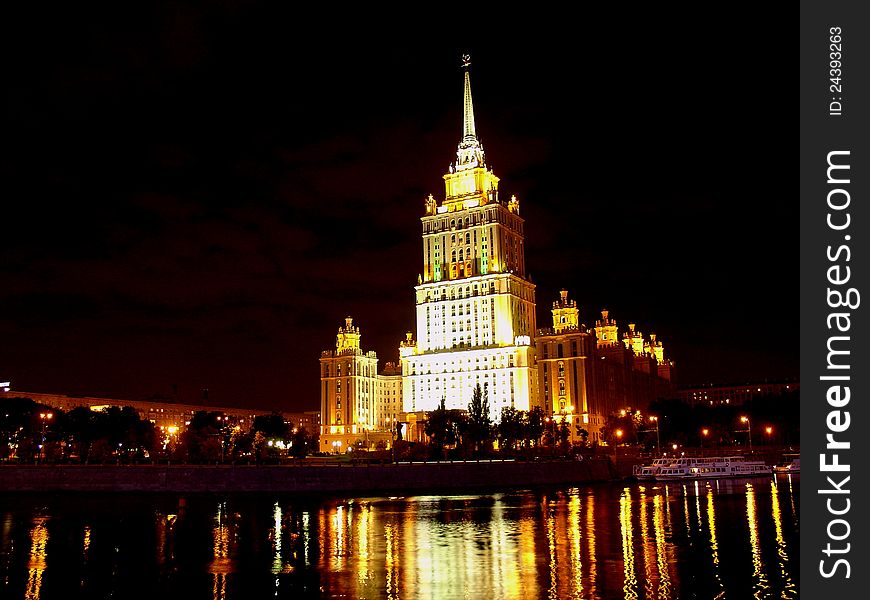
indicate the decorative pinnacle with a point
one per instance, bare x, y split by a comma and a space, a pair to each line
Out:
468, 133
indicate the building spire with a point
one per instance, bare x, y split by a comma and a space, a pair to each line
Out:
468, 133
469, 155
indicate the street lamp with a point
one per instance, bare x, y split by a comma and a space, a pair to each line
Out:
704, 433
746, 420
655, 420
769, 431
44, 416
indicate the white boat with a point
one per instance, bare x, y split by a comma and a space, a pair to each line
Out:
789, 466
648, 472
714, 467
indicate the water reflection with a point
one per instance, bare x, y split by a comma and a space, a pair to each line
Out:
36, 565
221, 564
789, 588
719, 539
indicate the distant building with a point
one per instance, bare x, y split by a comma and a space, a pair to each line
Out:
733, 394
167, 416
356, 404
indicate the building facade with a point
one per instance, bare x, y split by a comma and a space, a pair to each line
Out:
475, 306
588, 374
348, 387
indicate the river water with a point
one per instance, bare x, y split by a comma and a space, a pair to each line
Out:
719, 539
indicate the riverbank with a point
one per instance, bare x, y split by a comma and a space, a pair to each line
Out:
302, 479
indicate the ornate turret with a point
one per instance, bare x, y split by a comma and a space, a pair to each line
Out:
408, 346
347, 338
605, 330
655, 348
565, 313
633, 339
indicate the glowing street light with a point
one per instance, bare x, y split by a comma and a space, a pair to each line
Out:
619, 436
44, 416
769, 431
655, 420
704, 433
745, 419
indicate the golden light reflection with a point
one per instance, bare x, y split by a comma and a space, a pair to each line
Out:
362, 536
552, 591
590, 542
761, 586
714, 542
391, 556
337, 550
629, 585
789, 588
221, 563
574, 534
86, 543
648, 548
664, 574
508, 579
36, 563
686, 516
306, 536
277, 535
528, 550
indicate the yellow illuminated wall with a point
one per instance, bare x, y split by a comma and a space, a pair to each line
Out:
348, 390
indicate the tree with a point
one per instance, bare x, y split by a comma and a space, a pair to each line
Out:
510, 427
272, 427
535, 426
563, 434
201, 441
479, 421
441, 429
300, 443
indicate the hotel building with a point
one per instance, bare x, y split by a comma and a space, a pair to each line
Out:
475, 325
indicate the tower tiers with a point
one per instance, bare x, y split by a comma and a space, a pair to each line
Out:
475, 304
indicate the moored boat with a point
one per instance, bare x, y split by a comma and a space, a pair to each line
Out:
714, 467
791, 464
648, 472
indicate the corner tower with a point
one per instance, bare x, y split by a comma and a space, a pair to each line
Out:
475, 304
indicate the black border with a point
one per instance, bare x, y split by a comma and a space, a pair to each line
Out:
821, 133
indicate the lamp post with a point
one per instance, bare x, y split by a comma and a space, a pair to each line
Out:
704, 433
746, 420
46, 416
655, 420
769, 431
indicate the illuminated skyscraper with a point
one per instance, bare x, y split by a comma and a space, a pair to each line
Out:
475, 304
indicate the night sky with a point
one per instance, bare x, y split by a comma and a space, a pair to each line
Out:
198, 196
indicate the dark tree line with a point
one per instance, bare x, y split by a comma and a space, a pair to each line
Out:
32, 432
455, 433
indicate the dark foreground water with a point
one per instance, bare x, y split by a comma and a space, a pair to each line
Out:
725, 539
